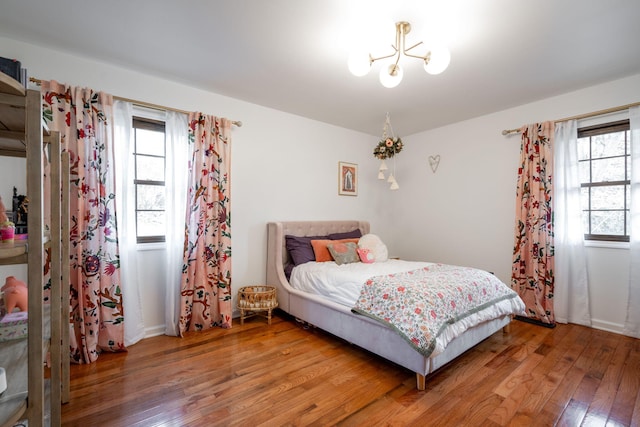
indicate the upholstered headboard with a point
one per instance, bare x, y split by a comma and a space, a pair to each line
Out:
278, 257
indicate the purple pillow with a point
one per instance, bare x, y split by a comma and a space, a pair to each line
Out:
287, 270
354, 234
300, 249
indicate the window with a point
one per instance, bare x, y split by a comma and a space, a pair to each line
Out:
149, 179
604, 162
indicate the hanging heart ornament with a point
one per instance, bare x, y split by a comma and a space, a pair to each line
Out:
434, 161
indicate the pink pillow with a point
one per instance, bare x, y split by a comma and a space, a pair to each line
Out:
365, 255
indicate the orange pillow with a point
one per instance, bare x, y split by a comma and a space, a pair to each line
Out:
322, 252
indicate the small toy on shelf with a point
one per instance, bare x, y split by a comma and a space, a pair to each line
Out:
7, 228
20, 211
15, 294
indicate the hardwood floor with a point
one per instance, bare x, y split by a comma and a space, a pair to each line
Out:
284, 374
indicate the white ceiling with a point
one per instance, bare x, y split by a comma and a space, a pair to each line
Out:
291, 55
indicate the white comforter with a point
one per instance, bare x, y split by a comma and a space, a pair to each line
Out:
342, 283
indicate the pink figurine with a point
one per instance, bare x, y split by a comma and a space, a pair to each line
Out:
15, 294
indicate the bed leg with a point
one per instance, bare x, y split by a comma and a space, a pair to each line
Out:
506, 329
421, 381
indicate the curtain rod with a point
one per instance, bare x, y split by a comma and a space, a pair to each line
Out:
144, 104
583, 116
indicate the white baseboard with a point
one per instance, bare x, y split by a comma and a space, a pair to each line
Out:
154, 331
607, 326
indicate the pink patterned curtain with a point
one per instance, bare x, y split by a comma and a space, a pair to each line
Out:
533, 258
206, 270
84, 119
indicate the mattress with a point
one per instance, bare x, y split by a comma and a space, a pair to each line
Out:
342, 284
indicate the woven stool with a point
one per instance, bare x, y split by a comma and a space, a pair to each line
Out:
255, 301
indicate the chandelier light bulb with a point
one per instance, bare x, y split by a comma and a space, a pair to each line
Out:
391, 178
359, 63
391, 76
440, 58
394, 185
380, 175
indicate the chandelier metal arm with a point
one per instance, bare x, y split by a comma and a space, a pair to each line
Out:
423, 57
402, 29
372, 59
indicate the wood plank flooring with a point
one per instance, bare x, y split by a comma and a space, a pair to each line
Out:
286, 374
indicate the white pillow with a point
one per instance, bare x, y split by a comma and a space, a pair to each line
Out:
375, 246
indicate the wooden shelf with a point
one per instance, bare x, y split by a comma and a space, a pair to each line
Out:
23, 135
12, 117
11, 86
17, 251
13, 253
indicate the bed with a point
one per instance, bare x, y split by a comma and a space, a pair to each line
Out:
341, 321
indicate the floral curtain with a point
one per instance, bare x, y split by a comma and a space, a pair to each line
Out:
532, 273
84, 119
206, 270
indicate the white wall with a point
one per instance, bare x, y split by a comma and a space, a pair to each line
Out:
464, 213
285, 168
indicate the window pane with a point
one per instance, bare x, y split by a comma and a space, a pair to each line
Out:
149, 142
608, 197
608, 169
611, 222
150, 197
608, 144
149, 168
151, 223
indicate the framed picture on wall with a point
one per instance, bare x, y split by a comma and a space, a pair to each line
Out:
347, 179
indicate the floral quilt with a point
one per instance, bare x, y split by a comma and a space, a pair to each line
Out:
420, 304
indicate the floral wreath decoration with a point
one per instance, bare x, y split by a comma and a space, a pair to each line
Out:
387, 148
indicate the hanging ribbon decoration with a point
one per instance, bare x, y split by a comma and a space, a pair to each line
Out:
387, 148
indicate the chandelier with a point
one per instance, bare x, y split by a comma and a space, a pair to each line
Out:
436, 60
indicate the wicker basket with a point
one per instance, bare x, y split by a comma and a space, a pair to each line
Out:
254, 300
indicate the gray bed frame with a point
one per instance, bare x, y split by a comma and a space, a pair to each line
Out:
338, 319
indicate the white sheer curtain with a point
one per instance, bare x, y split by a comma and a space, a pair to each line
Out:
134, 329
178, 156
632, 322
571, 284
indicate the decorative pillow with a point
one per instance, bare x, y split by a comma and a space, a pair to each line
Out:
344, 253
375, 246
300, 249
353, 234
288, 269
321, 250
365, 255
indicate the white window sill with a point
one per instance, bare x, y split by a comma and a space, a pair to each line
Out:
608, 245
159, 246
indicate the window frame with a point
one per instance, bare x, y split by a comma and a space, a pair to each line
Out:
142, 122
602, 129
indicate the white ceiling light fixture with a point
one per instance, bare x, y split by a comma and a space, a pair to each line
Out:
436, 60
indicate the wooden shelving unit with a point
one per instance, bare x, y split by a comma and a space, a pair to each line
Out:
22, 135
